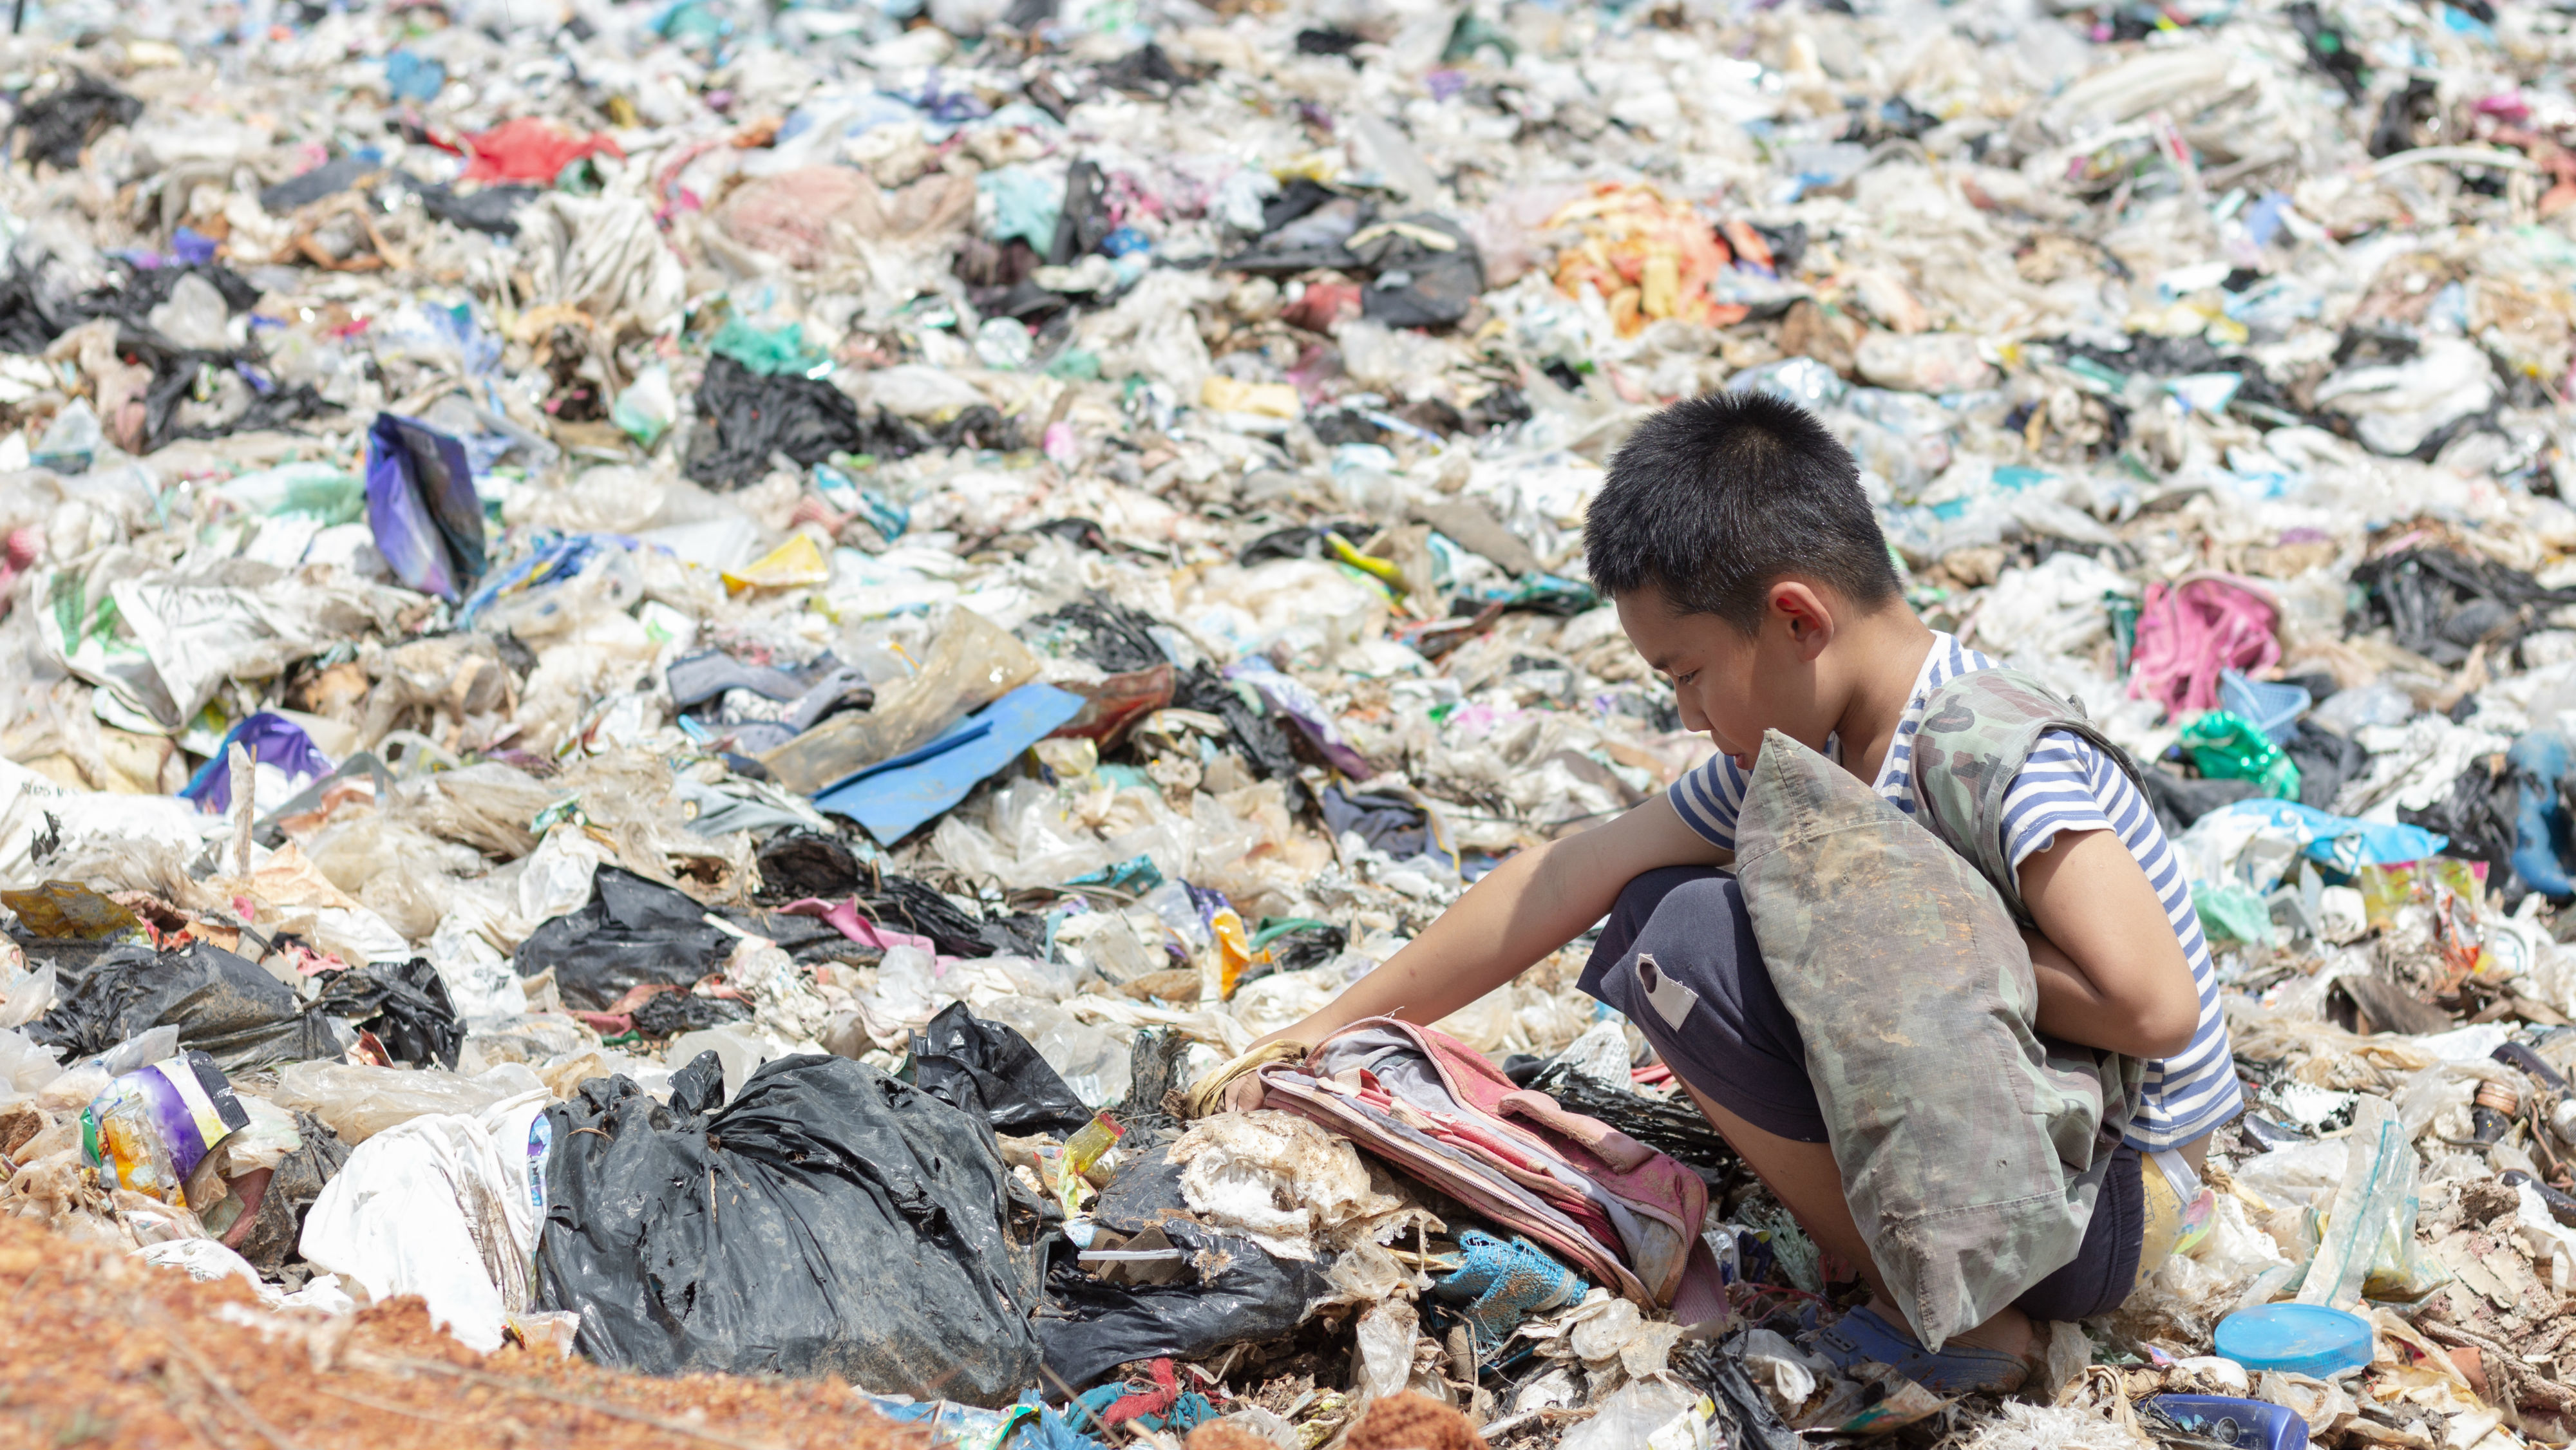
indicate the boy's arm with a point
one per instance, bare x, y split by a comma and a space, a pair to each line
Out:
2111, 973
1523, 909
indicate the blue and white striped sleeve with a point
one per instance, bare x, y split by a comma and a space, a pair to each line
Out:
2056, 792
2070, 785
1710, 798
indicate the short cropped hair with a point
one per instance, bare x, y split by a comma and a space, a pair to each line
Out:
1714, 500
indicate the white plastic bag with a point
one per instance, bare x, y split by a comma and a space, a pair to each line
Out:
446, 1207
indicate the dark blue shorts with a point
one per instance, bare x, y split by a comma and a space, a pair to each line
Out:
1708, 1008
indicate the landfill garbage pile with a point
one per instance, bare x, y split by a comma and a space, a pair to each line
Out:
641, 633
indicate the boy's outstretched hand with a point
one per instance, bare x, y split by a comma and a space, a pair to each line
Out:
2111, 972
1523, 909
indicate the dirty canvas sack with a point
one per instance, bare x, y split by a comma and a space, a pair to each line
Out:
1971, 1149
830, 1220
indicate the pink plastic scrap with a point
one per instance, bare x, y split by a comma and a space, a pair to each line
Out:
844, 915
2191, 632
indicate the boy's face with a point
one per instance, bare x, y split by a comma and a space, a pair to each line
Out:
1732, 686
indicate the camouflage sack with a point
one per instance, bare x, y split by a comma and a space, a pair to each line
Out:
1971, 1148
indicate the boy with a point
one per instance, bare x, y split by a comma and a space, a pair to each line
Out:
1747, 568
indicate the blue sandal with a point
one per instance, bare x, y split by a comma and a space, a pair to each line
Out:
1863, 1335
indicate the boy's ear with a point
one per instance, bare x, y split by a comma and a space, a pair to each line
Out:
1805, 614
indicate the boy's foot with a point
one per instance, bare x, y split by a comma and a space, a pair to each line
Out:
1960, 1368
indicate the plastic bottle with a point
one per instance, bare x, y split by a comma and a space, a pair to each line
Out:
2249, 1424
1081, 1151
2371, 1221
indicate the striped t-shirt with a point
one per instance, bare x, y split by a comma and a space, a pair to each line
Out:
2068, 785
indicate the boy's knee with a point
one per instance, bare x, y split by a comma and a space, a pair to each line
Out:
1683, 894
1646, 894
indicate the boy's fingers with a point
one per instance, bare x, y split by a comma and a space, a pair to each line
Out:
1244, 1094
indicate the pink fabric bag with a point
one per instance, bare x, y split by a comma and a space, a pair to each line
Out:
1437, 1111
2195, 630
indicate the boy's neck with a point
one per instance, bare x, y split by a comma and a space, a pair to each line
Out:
1888, 658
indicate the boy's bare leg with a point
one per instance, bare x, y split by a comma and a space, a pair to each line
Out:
1804, 1178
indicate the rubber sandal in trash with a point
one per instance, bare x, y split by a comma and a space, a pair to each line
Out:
1862, 1336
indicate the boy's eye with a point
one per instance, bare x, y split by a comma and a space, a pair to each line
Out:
1684, 679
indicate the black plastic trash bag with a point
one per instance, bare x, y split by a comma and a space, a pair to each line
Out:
27, 324
277, 1226
831, 1220
797, 863
404, 1003
907, 904
1419, 282
2179, 802
2326, 761
226, 1006
748, 417
1673, 1127
62, 121
1257, 733
631, 931
1235, 1292
1083, 221
2441, 605
668, 1014
986, 1069
2479, 817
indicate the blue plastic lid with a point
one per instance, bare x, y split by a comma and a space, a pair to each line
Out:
2307, 1339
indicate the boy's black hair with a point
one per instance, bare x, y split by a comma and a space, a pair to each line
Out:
1713, 500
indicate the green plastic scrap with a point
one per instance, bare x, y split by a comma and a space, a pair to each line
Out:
1073, 365
770, 352
1472, 34
2232, 913
1021, 204
2229, 747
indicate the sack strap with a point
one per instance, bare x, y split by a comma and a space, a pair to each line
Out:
1978, 732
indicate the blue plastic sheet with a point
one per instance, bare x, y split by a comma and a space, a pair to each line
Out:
2345, 843
422, 506
550, 563
893, 798
2542, 830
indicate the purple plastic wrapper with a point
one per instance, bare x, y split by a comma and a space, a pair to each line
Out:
1290, 697
272, 740
422, 505
154, 1125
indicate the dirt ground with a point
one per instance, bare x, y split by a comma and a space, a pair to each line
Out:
103, 1350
